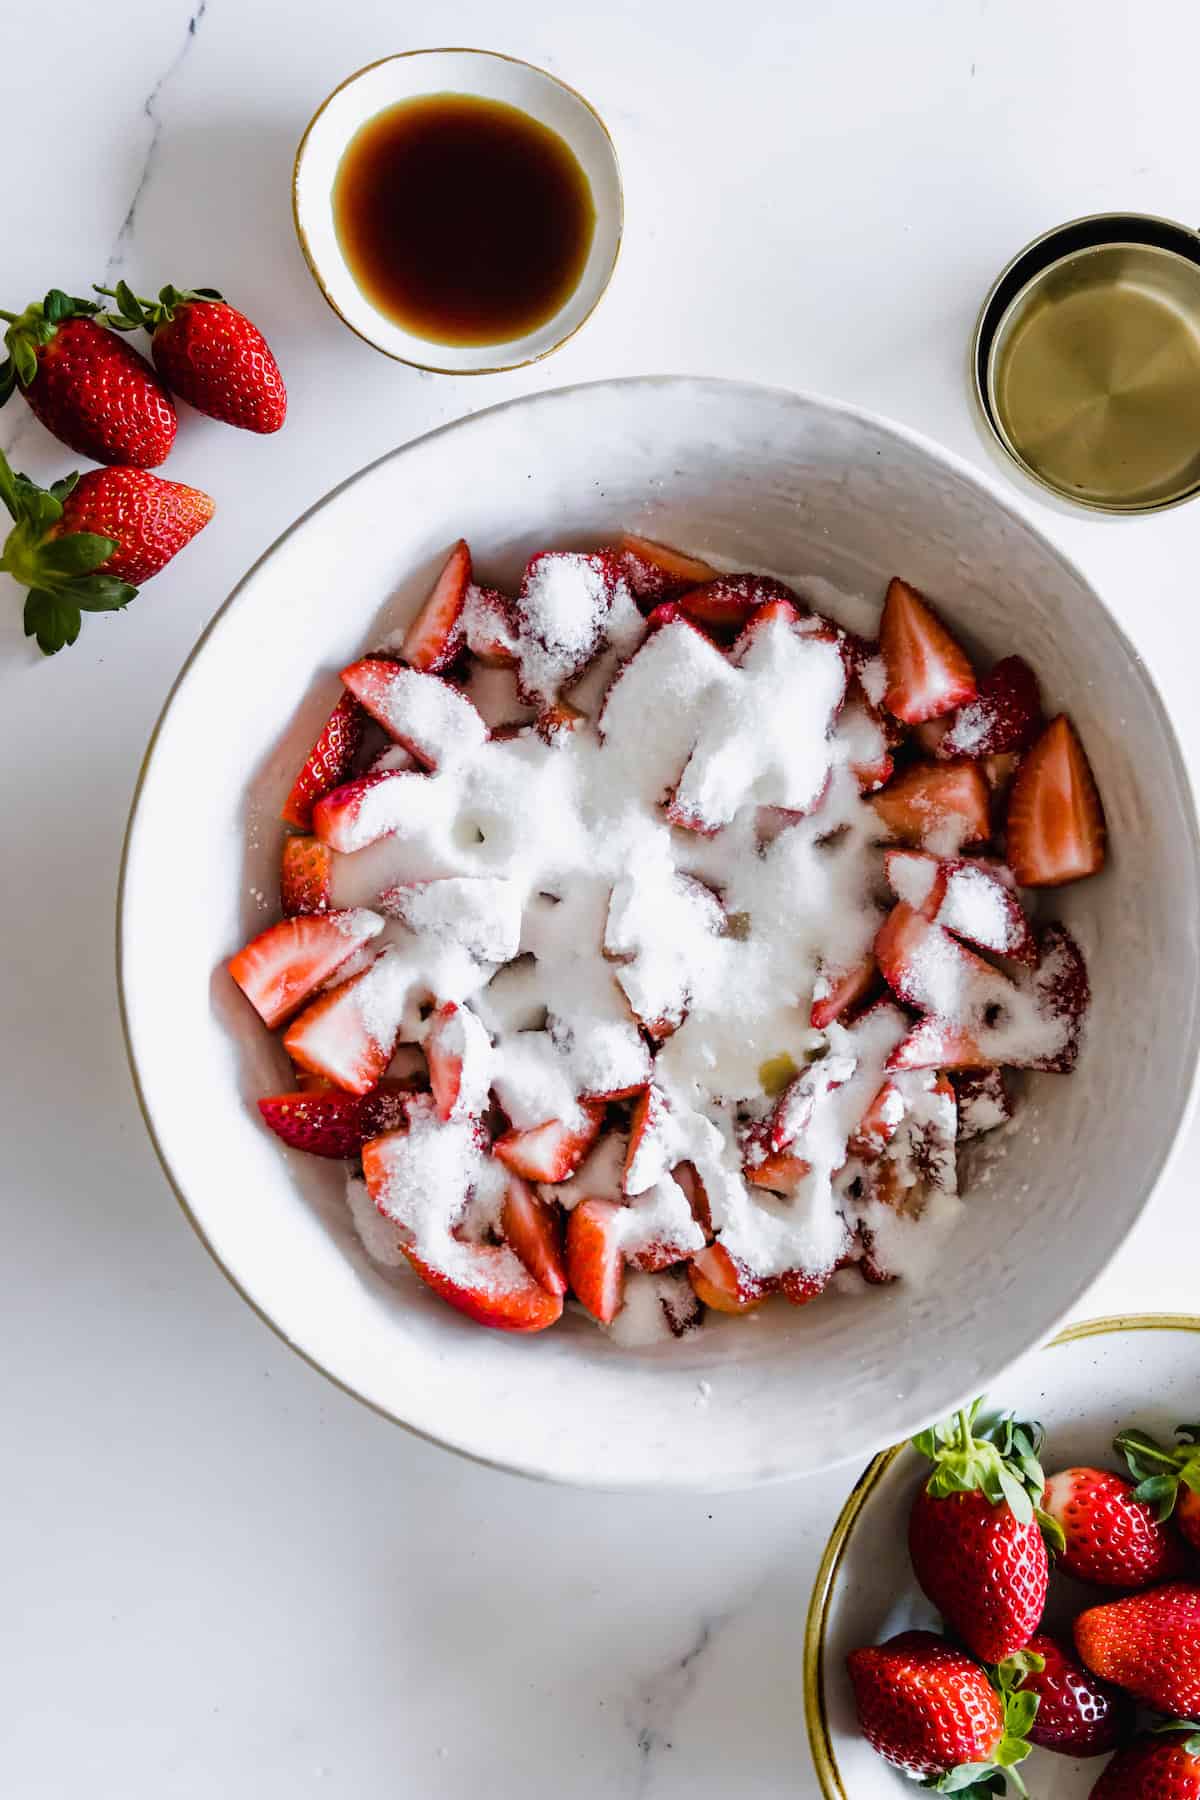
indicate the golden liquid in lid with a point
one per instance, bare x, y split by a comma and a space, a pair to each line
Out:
1094, 377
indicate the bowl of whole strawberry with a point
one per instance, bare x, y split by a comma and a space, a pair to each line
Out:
674, 991
1009, 1605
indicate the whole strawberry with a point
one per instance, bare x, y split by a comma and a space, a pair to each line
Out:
208, 353
1168, 1480
1148, 1644
85, 543
1078, 1714
975, 1536
86, 384
934, 1713
1163, 1765
1109, 1536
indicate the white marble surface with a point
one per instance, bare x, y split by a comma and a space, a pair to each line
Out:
219, 1575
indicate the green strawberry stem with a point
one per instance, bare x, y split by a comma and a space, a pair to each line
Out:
1159, 1471
61, 571
134, 312
999, 1460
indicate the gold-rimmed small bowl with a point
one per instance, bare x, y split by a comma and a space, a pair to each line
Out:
481, 74
1089, 1381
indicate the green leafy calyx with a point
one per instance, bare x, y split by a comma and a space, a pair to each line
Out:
32, 330
977, 1781
62, 570
134, 313
1158, 1471
999, 1460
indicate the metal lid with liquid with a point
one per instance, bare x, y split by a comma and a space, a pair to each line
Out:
1086, 362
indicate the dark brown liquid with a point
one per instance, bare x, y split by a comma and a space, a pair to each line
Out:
463, 220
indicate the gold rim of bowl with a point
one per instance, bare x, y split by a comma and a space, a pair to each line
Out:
413, 362
819, 1737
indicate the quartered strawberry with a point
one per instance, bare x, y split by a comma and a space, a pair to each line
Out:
533, 1228
305, 876
983, 1102
1078, 1714
799, 1286
1163, 1765
726, 603
725, 1284
1005, 715
283, 965
974, 899
372, 806
349, 1035
927, 968
328, 763
1112, 1539
936, 806
581, 586
932, 1712
423, 712
491, 1285
878, 1125
553, 1150
1063, 992
648, 1154
595, 1260
935, 1043
1148, 1644
688, 1177
928, 671
1168, 1479
331, 1123
780, 1171
794, 1108
435, 637
656, 572
841, 990
490, 627
976, 1545
458, 1052
1056, 829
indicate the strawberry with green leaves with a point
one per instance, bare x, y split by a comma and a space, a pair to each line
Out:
85, 544
932, 1712
1168, 1479
976, 1535
208, 353
87, 385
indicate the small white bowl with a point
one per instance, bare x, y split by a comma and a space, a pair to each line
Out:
1094, 1378
753, 476
486, 75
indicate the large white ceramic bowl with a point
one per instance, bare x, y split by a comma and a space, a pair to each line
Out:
757, 476
1096, 1377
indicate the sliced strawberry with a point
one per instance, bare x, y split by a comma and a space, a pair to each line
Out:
435, 637
305, 876
458, 1052
936, 806
976, 900
648, 1156
841, 990
725, 1284
861, 728
1005, 715
562, 616
668, 612
595, 1260
724, 604
490, 627
283, 965
925, 967
533, 1228
370, 807
983, 1102
1056, 827
328, 763
432, 719
780, 1170
878, 1125
799, 1286
350, 1034
331, 1123
688, 1177
1063, 992
491, 1285
656, 572
940, 1044
553, 1150
928, 671
799, 1100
